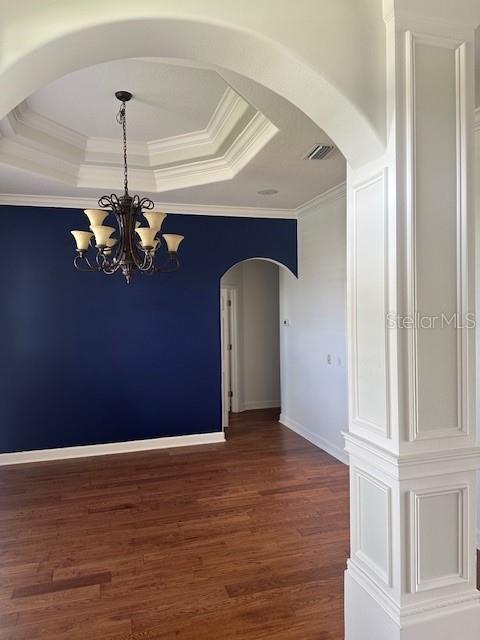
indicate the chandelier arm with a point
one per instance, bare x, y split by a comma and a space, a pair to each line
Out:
144, 255
146, 203
138, 255
113, 203
132, 251
147, 263
114, 256
97, 259
77, 263
109, 202
111, 268
107, 261
120, 246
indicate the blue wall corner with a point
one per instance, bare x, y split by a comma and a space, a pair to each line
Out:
88, 359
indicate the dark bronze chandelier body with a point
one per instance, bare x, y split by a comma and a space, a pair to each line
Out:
137, 247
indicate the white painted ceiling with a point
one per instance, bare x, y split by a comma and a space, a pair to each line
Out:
261, 145
169, 99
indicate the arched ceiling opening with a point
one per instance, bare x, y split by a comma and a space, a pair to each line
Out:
334, 79
195, 135
299, 82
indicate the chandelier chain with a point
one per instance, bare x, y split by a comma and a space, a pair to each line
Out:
122, 119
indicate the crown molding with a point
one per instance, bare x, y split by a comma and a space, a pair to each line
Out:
70, 202
312, 206
225, 119
254, 136
29, 142
25, 121
109, 150
110, 177
231, 108
16, 155
34, 131
37, 144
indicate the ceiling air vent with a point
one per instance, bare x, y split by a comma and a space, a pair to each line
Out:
320, 152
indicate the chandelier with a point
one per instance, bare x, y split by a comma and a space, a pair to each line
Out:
136, 248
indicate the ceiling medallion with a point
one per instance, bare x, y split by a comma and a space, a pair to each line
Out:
137, 246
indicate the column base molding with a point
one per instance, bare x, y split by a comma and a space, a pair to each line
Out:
413, 465
371, 614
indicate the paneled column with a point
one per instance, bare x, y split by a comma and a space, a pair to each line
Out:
411, 439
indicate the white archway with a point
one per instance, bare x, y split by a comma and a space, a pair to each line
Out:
250, 335
215, 44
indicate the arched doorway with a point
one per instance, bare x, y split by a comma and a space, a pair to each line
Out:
250, 323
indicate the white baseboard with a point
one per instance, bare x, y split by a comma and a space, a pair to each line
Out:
258, 404
85, 451
315, 439
478, 538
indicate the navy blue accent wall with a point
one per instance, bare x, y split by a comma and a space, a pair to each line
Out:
87, 359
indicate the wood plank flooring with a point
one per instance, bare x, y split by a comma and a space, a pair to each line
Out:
245, 540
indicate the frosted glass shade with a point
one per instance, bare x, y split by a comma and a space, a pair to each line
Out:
147, 237
82, 238
111, 242
173, 241
102, 234
96, 216
155, 219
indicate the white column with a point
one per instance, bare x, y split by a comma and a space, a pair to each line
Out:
411, 440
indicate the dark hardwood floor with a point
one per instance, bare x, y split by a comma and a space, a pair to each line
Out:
244, 540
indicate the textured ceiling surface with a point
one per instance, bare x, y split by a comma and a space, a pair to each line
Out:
195, 137
169, 99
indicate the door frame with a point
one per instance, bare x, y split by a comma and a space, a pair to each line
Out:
230, 294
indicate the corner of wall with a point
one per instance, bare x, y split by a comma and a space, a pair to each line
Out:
315, 438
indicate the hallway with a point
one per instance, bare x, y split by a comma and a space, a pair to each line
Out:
244, 540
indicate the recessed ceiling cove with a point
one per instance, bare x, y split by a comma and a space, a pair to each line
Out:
186, 127
200, 140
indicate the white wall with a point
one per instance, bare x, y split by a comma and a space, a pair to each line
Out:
257, 285
314, 392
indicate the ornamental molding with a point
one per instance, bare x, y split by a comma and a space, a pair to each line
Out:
234, 135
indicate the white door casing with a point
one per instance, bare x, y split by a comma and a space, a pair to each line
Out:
233, 312
225, 356
230, 351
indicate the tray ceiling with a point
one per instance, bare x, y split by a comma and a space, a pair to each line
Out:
193, 136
